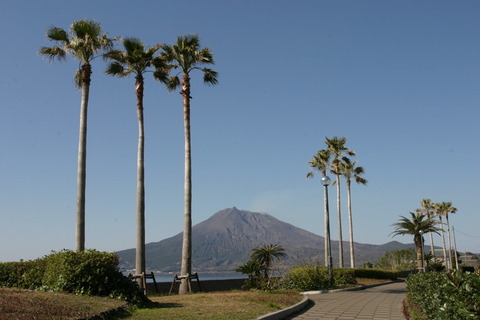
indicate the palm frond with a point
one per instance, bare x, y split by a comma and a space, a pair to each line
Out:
210, 76
57, 34
53, 52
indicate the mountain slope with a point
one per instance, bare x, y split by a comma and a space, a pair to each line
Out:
225, 240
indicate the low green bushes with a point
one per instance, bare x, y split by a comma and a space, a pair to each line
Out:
445, 296
307, 278
87, 272
375, 274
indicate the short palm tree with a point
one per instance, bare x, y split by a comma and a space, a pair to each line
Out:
418, 225
349, 171
320, 162
264, 256
443, 209
427, 208
83, 42
337, 149
187, 56
136, 60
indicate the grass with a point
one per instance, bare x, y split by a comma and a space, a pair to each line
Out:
17, 304
234, 305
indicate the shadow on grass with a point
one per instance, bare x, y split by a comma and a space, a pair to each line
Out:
158, 305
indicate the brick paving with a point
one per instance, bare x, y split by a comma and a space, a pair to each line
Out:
379, 303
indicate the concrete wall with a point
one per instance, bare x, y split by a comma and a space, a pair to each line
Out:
205, 285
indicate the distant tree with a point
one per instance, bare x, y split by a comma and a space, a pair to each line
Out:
443, 209
84, 41
253, 269
428, 209
349, 171
418, 225
265, 256
336, 147
398, 260
137, 60
187, 56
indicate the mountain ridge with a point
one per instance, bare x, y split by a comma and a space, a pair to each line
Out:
224, 241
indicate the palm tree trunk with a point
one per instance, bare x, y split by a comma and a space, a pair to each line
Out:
443, 243
449, 243
140, 251
187, 226
82, 157
432, 247
350, 224
418, 246
340, 238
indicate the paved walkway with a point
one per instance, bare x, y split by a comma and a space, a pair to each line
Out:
379, 303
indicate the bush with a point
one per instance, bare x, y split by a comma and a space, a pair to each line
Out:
308, 278
446, 296
87, 272
375, 274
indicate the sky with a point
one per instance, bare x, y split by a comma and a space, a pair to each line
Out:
399, 79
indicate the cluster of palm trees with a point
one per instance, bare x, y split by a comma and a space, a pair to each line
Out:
172, 65
426, 220
335, 158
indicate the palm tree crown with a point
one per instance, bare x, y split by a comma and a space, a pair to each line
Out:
320, 162
265, 256
418, 225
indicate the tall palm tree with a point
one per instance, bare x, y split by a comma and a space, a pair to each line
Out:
418, 225
444, 209
337, 148
437, 208
320, 163
83, 42
265, 256
187, 56
350, 171
427, 208
137, 60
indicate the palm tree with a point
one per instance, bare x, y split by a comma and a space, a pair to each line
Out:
444, 209
252, 269
320, 163
187, 56
427, 208
265, 256
136, 60
418, 225
437, 208
349, 170
83, 42
337, 148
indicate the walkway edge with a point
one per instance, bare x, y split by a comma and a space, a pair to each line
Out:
352, 288
282, 314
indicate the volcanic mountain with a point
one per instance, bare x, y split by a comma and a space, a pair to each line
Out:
224, 241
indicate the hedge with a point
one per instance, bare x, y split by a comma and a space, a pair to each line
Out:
87, 272
442, 296
307, 278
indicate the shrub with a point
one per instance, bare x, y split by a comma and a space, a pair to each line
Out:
375, 274
307, 278
87, 272
446, 296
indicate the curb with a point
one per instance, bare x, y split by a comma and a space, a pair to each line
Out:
352, 288
282, 314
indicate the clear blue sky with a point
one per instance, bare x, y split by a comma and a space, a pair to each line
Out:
399, 79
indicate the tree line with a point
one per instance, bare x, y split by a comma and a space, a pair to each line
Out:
429, 219
171, 65
335, 158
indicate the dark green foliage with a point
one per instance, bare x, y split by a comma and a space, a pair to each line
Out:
375, 274
465, 268
446, 296
308, 278
86, 272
